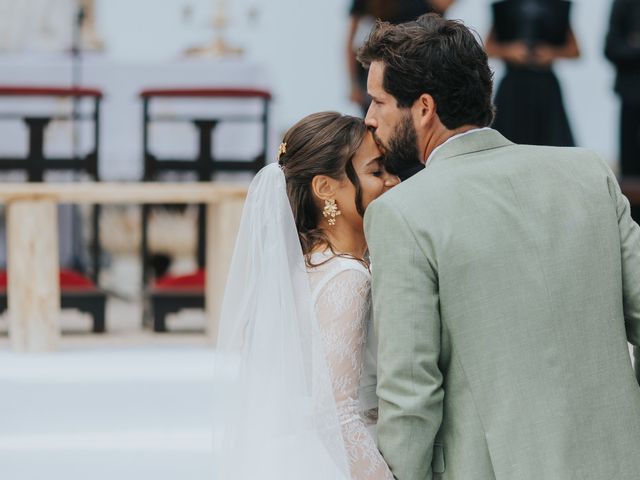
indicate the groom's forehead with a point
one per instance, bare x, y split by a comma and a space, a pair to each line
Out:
375, 78
376, 71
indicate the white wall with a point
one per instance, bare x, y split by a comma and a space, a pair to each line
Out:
301, 42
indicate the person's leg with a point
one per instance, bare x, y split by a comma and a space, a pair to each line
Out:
630, 140
630, 146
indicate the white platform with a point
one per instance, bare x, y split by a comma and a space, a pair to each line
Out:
143, 413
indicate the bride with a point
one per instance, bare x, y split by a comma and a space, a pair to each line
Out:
297, 309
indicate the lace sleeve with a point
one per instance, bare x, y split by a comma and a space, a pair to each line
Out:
342, 309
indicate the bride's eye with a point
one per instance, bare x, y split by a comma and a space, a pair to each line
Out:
377, 173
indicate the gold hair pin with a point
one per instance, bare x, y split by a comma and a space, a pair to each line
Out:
282, 149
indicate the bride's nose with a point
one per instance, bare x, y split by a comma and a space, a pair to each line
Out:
391, 181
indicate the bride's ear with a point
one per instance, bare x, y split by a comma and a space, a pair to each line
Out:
324, 187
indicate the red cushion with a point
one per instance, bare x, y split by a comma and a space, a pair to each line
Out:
71, 279
206, 92
68, 280
48, 91
194, 280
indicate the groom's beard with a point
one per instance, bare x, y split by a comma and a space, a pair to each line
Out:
402, 157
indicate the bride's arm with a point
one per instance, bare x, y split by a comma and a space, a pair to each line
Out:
342, 309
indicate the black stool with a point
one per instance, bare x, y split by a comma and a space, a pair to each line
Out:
170, 294
78, 289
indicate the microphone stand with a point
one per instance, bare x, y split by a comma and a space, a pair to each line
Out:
76, 104
76, 76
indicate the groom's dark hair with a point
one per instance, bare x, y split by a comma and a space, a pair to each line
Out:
439, 57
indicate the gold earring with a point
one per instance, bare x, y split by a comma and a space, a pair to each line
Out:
331, 211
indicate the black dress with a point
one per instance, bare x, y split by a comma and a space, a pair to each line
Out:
623, 50
398, 11
529, 105
530, 109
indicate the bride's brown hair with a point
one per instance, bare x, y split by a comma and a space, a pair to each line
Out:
320, 144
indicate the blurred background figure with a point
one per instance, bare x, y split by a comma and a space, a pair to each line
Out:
623, 50
36, 25
529, 36
362, 14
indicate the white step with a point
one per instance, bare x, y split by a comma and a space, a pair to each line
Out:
111, 414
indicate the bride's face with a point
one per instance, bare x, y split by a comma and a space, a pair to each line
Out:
373, 178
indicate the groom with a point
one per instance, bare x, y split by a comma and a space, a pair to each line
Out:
506, 281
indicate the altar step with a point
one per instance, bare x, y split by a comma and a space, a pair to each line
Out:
113, 414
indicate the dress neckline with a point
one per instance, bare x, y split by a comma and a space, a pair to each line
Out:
327, 257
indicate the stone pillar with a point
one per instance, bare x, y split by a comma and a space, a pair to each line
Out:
33, 269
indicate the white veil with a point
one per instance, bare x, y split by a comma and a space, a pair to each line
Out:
278, 417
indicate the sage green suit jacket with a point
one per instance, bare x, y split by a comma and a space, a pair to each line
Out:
506, 284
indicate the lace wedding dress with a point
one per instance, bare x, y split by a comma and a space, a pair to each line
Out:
294, 337
340, 291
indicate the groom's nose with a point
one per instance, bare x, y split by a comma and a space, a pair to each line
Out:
370, 121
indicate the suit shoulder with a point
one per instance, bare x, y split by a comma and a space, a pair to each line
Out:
392, 197
583, 158
385, 202
391, 207
403, 194
546, 150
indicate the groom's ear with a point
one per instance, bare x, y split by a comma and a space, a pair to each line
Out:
324, 187
424, 110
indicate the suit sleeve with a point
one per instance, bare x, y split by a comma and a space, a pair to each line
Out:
407, 320
630, 253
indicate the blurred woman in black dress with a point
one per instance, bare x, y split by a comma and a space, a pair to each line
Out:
623, 50
530, 109
394, 11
